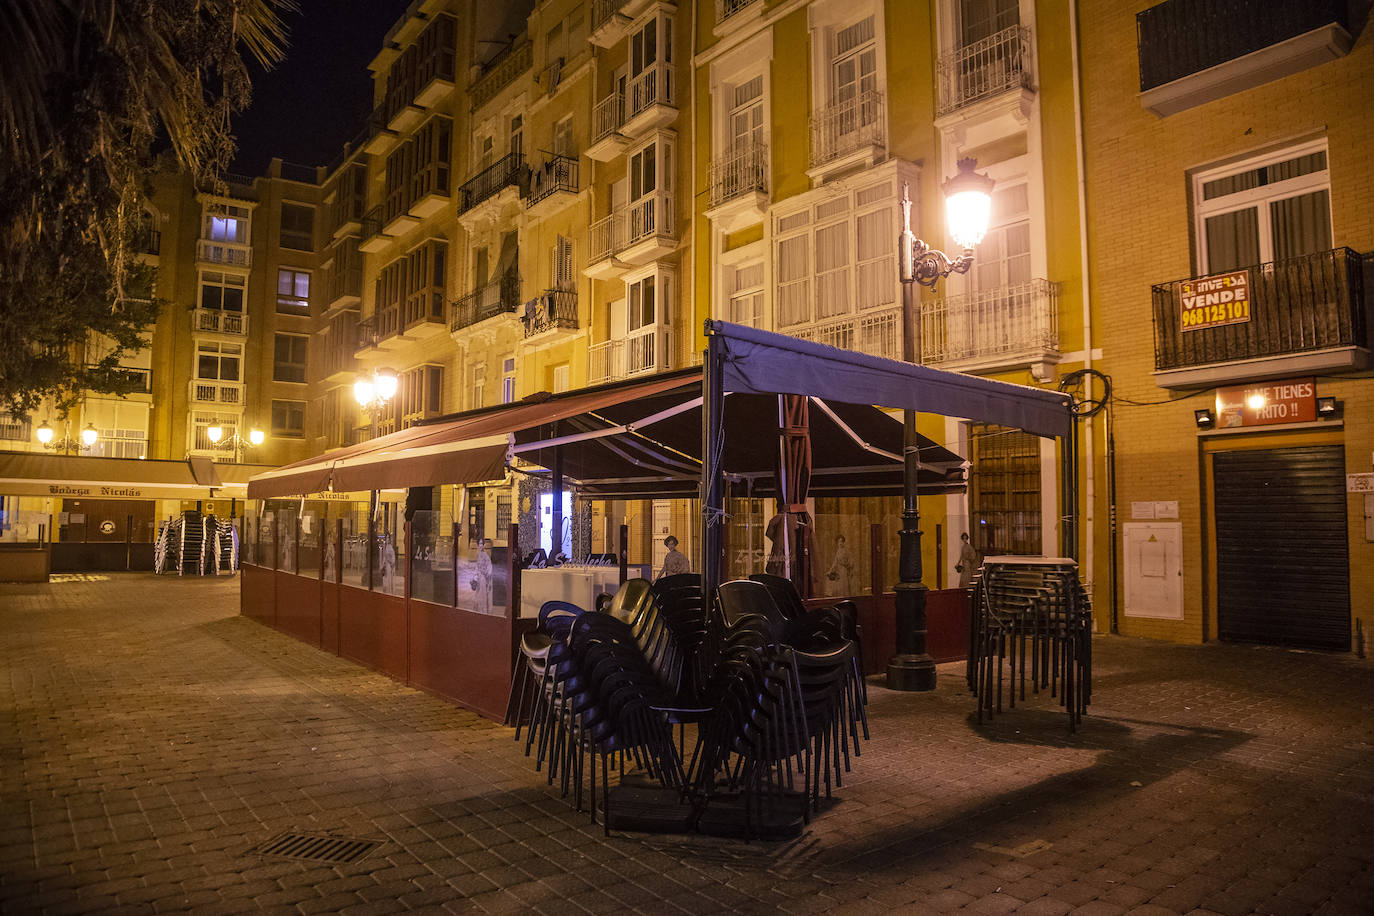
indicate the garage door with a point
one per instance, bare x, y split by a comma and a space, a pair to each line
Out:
1283, 574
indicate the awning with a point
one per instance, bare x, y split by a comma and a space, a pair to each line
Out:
36, 474
628, 440
469, 448
762, 362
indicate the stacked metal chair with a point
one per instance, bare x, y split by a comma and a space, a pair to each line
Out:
1030, 615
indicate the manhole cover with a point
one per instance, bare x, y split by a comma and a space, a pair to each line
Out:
315, 848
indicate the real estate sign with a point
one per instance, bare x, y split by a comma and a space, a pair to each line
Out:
1210, 302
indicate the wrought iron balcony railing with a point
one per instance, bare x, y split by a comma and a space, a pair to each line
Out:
500, 72
727, 8
847, 127
1313, 302
741, 171
1008, 321
498, 297
508, 171
554, 309
559, 173
1181, 37
985, 69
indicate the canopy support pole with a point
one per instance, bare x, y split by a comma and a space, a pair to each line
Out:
1068, 446
712, 480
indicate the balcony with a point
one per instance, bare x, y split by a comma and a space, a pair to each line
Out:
1306, 314
500, 72
986, 87
381, 139
218, 321
652, 101
606, 237
1196, 51
739, 187
375, 239
848, 135
649, 230
211, 391
608, 23
226, 254
641, 352
338, 362
380, 331
344, 289
552, 186
1009, 327
727, 10
499, 297
608, 140
485, 189
551, 316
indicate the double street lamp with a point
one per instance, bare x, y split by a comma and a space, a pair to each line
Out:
375, 393
235, 443
968, 204
67, 444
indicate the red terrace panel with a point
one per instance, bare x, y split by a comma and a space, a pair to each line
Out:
372, 630
329, 617
256, 594
947, 616
298, 607
462, 656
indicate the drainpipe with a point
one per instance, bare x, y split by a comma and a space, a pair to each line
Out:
1089, 501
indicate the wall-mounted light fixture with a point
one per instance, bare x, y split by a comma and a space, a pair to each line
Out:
1328, 408
1203, 418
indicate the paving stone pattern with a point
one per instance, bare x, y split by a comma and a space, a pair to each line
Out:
151, 737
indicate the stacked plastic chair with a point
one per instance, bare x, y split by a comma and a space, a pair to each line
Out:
1030, 615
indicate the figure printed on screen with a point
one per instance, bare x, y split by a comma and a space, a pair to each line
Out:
968, 562
481, 580
676, 561
840, 577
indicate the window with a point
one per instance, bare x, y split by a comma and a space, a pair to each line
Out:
222, 290
288, 419
746, 115
561, 376
563, 144
746, 295
517, 134
123, 427
293, 290
288, 358
477, 514
479, 385
298, 227
508, 380
218, 361
562, 267
503, 504
979, 19
648, 301
201, 421
844, 245
417, 395
1265, 209
1004, 255
854, 69
227, 224
486, 152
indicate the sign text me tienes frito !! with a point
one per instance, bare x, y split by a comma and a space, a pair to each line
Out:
1209, 302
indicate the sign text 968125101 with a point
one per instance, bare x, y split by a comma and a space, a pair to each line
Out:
1210, 302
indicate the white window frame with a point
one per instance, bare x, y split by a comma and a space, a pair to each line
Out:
220, 278
293, 304
1257, 198
508, 380
825, 20
478, 385
221, 350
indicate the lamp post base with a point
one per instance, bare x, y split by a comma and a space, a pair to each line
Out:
911, 673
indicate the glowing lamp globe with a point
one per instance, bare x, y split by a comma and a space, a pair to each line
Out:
968, 204
385, 381
255, 436
214, 433
363, 391
89, 435
44, 433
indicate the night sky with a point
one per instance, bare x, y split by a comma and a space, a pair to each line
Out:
318, 98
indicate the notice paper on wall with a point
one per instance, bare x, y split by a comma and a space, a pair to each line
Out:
1143, 509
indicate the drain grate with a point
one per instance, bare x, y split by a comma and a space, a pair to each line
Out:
308, 847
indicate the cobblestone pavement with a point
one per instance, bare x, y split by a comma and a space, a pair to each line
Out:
151, 737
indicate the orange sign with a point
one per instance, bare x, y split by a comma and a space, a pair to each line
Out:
1210, 302
1267, 403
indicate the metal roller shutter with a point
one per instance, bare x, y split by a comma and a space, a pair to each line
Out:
1283, 569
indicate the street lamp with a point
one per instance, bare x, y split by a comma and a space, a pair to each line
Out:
67, 444
375, 393
236, 444
968, 203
